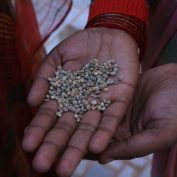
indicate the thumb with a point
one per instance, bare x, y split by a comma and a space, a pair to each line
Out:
135, 146
40, 85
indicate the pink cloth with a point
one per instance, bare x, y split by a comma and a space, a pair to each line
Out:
162, 26
165, 163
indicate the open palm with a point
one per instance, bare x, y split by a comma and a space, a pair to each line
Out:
62, 137
153, 122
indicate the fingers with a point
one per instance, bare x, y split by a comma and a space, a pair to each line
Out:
123, 130
121, 96
136, 146
39, 126
111, 117
40, 86
54, 142
78, 144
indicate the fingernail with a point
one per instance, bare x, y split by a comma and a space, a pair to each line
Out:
107, 161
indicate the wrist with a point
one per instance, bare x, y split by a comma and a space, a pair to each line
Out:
131, 25
130, 16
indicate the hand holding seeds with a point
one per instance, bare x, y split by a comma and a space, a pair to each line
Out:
89, 101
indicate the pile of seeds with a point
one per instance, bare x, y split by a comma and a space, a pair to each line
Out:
79, 91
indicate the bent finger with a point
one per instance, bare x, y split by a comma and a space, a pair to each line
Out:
135, 146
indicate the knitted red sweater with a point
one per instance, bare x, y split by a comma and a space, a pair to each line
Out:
136, 8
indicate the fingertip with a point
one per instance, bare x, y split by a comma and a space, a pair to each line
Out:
105, 161
34, 99
41, 164
95, 146
31, 101
63, 169
105, 157
100, 141
31, 139
69, 162
28, 143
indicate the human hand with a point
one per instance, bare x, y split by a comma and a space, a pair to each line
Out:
153, 121
62, 138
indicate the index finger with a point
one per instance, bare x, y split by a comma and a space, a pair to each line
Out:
138, 145
40, 85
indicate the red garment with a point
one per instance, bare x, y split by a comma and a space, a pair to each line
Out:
33, 28
22, 33
126, 15
135, 8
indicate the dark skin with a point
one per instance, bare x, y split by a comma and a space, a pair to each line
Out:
152, 125
53, 138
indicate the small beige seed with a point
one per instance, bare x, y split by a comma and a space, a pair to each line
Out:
78, 120
93, 102
76, 116
96, 73
50, 79
99, 107
59, 114
103, 108
105, 89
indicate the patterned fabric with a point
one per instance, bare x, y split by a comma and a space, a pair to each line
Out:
47, 15
56, 11
22, 33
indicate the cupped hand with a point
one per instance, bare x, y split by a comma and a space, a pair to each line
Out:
152, 125
61, 138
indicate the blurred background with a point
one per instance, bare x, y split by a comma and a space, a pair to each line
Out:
139, 167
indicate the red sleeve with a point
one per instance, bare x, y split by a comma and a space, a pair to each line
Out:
135, 8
